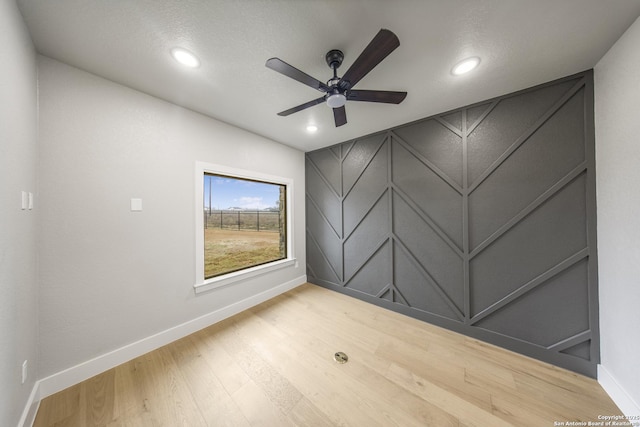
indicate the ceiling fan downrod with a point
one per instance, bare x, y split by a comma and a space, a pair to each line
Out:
335, 97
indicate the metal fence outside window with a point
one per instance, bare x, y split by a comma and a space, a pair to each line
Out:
242, 220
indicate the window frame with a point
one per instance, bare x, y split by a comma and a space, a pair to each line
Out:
202, 284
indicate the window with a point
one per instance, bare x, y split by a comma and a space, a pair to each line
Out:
242, 224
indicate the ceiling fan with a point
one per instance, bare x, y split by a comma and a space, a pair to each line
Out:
339, 90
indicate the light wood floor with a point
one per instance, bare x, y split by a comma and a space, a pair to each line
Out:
273, 366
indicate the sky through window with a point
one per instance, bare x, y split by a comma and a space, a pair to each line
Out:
221, 193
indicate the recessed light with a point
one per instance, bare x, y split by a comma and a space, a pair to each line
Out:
312, 128
185, 57
465, 66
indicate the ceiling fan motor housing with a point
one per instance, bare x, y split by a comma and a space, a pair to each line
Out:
334, 58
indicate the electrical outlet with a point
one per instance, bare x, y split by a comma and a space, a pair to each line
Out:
25, 366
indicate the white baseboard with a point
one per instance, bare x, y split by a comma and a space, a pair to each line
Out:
71, 376
31, 408
620, 397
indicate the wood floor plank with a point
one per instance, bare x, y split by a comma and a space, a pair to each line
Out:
276, 387
182, 408
457, 406
59, 407
515, 413
99, 392
143, 419
306, 413
129, 402
444, 374
208, 393
257, 407
272, 365
232, 377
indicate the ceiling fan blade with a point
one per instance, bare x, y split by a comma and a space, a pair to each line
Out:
282, 67
340, 116
385, 96
379, 48
302, 107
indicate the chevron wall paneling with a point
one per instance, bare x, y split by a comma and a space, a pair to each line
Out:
480, 220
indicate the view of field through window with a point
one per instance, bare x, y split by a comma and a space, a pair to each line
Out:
244, 223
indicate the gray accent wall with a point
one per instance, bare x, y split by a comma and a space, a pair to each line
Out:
480, 220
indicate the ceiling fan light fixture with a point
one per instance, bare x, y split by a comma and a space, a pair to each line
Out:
336, 100
465, 66
185, 57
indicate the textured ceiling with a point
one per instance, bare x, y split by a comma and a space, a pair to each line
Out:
521, 42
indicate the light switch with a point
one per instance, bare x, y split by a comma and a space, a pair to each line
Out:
136, 205
30, 203
25, 200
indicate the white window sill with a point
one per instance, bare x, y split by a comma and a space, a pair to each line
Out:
237, 276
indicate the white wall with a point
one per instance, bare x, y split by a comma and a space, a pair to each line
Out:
617, 121
18, 263
109, 276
